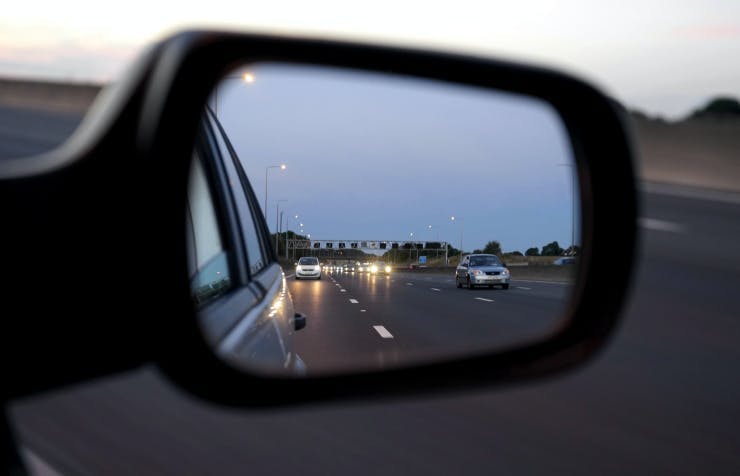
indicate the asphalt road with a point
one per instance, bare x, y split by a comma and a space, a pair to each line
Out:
404, 318
662, 398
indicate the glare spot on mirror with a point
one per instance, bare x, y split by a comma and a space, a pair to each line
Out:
415, 221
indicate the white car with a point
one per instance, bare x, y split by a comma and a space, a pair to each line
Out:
308, 267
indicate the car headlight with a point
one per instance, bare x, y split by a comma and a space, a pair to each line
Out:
298, 268
477, 272
374, 269
387, 269
505, 272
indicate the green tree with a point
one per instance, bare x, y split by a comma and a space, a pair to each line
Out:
532, 252
719, 107
552, 249
493, 248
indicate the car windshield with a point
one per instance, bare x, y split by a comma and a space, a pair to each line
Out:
308, 261
484, 261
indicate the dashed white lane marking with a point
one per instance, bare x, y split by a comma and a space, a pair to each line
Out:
484, 299
434, 289
354, 301
522, 287
450, 280
342, 290
383, 332
338, 285
409, 284
363, 310
661, 225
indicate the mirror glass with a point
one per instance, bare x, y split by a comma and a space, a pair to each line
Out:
392, 203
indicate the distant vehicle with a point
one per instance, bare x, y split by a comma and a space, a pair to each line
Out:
482, 269
379, 267
308, 267
349, 268
364, 267
565, 260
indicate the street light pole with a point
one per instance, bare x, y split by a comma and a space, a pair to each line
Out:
573, 207
277, 225
287, 230
267, 169
462, 226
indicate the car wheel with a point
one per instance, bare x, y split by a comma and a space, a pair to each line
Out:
470, 284
505, 286
297, 278
457, 282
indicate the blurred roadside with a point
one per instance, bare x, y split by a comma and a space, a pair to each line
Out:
702, 150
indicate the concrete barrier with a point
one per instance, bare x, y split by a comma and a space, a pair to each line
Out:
48, 95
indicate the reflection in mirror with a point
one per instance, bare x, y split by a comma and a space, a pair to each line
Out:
392, 203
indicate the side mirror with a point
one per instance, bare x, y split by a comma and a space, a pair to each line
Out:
299, 321
424, 105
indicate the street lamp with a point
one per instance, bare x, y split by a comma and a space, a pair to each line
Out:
462, 226
413, 245
267, 169
247, 77
277, 224
573, 207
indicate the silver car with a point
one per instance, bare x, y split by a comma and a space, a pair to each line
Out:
483, 270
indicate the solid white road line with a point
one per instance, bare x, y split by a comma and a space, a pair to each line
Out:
526, 289
661, 225
354, 301
484, 299
434, 289
383, 332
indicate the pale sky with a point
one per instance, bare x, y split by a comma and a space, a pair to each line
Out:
383, 158
664, 57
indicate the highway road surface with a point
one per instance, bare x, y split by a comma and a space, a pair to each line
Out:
662, 398
361, 320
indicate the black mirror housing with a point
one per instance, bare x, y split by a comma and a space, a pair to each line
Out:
140, 137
